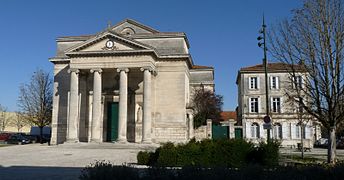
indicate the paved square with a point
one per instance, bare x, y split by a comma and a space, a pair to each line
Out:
64, 161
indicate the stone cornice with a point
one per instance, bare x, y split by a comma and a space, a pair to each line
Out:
104, 35
109, 53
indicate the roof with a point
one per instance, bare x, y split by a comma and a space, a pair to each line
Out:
201, 67
273, 67
137, 24
226, 115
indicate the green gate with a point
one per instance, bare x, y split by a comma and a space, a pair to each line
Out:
112, 122
220, 132
238, 133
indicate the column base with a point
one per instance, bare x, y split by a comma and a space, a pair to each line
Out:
146, 141
122, 141
72, 141
95, 141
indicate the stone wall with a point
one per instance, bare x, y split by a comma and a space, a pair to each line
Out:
204, 132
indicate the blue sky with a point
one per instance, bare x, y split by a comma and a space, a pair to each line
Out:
222, 34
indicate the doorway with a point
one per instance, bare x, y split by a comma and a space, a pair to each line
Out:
112, 122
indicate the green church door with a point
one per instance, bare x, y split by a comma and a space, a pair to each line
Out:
112, 122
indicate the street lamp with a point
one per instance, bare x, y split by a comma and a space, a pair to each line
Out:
262, 44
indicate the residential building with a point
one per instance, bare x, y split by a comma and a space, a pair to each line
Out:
284, 113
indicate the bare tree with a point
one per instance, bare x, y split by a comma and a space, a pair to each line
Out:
19, 121
206, 105
314, 38
35, 100
4, 119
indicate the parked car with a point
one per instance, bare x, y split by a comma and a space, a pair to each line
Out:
33, 139
322, 142
4, 136
17, 139
340, 144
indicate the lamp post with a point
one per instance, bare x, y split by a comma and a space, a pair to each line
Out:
262, 42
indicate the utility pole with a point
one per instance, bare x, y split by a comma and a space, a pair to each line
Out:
267, 119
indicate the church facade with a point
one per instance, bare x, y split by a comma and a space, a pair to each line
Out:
128, 83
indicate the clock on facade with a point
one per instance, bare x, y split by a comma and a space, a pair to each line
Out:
109, 44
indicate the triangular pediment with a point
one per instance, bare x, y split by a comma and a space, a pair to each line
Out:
108, 41
129, 26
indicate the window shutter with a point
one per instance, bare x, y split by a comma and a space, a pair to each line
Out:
248, 130
302, 83
293, 81
293, 131
281, 104
249, 83
277, 82
285, 133
258, 82
306, 132
259, 110
249, 105
271, 104
270, 82
261, 131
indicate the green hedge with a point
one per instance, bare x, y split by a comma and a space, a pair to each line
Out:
106, 171
212, 153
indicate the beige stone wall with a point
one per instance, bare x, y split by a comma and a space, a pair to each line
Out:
60, 103
170, 102
11, 120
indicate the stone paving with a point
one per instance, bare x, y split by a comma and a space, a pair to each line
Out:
35, 161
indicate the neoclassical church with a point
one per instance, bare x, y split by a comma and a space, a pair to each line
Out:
128, 83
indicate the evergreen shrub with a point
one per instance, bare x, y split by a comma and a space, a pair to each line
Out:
212, 153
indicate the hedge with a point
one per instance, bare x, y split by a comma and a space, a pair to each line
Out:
212, 153
106, 171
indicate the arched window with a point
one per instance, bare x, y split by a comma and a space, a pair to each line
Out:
277, 131
255, 130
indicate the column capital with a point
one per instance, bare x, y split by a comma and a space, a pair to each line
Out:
96, 70
73, 70
150, 69
123, 69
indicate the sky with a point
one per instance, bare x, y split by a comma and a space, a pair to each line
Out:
221, 33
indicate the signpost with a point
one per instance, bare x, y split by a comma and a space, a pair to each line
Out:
267, 122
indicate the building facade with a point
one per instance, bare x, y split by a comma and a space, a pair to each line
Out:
128, 83
285, 114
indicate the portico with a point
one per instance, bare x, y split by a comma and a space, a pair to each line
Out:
97, 104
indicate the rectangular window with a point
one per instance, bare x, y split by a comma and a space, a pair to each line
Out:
276, 105
253, 82
254, 105
274, 82
297, 131
298, 82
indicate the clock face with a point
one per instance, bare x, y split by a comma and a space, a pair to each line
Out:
109, 44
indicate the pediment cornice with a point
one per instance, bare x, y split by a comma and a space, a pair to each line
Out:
108, 35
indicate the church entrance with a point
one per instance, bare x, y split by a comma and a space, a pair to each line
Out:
112, 122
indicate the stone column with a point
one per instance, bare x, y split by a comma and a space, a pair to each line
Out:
191, 126
72, 126
123, 105
147, 113
96, 107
